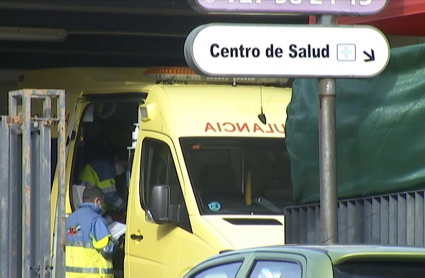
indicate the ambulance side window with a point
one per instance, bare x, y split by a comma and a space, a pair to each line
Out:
158, 168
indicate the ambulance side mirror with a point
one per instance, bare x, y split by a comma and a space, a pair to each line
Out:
159, 205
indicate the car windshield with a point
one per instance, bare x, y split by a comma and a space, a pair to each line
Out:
239, 175
380, 270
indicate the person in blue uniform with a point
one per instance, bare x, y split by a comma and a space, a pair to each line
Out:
102, 172
89, 244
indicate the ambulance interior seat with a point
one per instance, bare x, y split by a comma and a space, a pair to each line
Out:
77, 195
87, 149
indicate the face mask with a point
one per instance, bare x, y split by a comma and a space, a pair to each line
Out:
119, 169
99, 205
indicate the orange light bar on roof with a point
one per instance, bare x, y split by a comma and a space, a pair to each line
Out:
185, 74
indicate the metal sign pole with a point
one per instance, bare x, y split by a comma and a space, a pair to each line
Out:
327, 152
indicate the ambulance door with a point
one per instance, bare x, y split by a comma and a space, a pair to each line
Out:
153, 250
69, 156
70, 145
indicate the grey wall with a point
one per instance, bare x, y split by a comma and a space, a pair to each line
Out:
8, 82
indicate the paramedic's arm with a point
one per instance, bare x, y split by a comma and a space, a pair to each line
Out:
102, 239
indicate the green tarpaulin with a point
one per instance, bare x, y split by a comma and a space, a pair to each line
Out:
380, 131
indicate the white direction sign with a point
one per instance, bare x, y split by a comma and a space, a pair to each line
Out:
286, 51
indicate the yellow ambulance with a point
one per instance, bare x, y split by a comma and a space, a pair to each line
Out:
209, 168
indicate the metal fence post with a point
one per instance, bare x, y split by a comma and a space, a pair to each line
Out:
26, 182
15, 170
60, 258
5, 246
44, 182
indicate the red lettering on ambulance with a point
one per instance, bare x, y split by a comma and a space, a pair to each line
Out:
242, 127
270, 129
209, 127
233, 128
218, 127
257, 128
277, 129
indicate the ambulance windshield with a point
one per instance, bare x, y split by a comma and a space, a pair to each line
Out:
239, 175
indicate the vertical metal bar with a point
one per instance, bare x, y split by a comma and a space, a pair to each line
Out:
15, 179
376, 221
367, 219
5, 205
295, 225
60, 259
384, 220
44, 186
303, 225
351, 222
422, 212
410, 219
419, 219
360, 224
328, 189
327, 152
26, 184
393, 220
35, 198
311, 228
318, 224
288, 225
343, 222
401, 219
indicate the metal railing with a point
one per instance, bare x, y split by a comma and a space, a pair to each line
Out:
392, 219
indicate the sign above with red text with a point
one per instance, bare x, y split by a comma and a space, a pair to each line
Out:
236, 50
353, 7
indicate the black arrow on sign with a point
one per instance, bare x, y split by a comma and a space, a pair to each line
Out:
370, 56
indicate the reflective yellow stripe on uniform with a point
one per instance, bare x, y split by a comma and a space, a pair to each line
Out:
86, 262
91, 270
99, 244
80, 244
107, 186
118, 203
